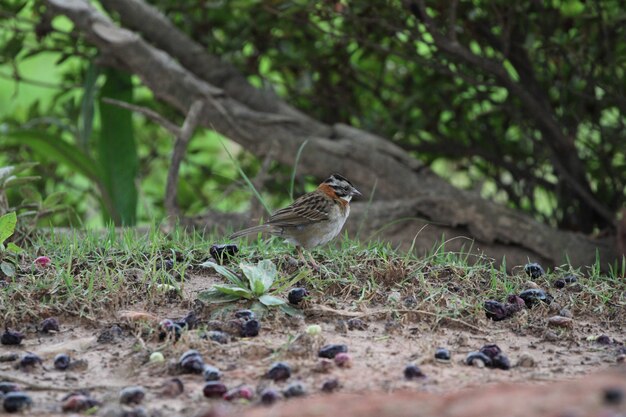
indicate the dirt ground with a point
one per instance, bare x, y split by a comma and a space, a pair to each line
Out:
373, 386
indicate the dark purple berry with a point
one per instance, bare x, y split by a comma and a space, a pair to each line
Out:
243, 392
343, 360
6, 387
245, 314
559, 283
214, 389
16, 401
442, 354
500, 361
190, 321
473, 358
61, 361
211, 373
413, 371
295, 389
191, 362
534, 270
170, 329
11, 337
613, 396
279, 371
491, 350
356, 324
296, 295
330, 351
77, 403
29, 360
216, 336
269, 396
132, 395
496, 311
534, 296
330, 385
250, 328
221, 252
603, 340
51, 324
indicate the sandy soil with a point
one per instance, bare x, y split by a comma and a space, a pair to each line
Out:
379, 353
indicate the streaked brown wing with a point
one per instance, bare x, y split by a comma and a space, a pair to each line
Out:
309, 208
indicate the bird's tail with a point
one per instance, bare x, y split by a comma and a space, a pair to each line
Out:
250, 230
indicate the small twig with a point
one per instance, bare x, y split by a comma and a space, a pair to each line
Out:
149, 113
32, 386
180, 146
324, 309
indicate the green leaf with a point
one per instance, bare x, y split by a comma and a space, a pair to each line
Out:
90, 87
261, 276
11, 170
270, 300
12, 247
117, 150
235, 291
225, 272
54, 199
213, 296
290, 311
7, 225
17, 181
55, 148
8, 269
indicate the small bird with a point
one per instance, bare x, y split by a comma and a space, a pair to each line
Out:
313, 219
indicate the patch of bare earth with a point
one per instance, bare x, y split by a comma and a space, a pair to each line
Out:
373, 386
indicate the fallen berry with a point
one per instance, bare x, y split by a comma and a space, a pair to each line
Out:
6, 387
169, 329
356, 324
51, 324
11, 337
132, 395
243, 392
500, 361
314, 329
491, 350
16, 401
477, 359
330, 385
279, 371
412, 371
603, 340
157, 357
190, 321
250, 328
211, 373
534, 295
613, 396
343, 360
78, 402
42, 261
295, 389
191, 362
216, 336
269, 396
214, 389
442, 354
220, 252
296, 295
245, 314
61, 361
330, 351
29, 361
496, 311
534, 270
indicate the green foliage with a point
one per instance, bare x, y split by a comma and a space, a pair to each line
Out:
117, 149
257, 285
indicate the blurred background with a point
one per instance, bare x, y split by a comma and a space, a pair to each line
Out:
541, 132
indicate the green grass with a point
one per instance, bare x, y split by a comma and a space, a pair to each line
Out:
95, 273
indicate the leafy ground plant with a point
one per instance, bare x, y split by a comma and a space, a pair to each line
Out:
256, 284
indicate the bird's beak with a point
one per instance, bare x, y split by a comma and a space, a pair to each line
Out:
356, 192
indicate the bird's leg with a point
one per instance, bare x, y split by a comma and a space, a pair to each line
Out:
312, 262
